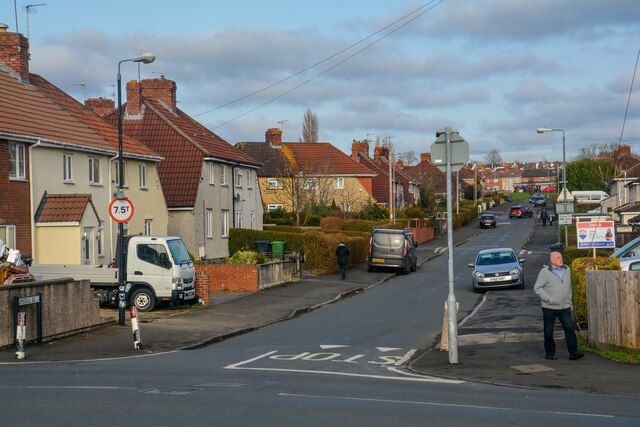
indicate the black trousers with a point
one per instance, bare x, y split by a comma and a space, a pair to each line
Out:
549, 316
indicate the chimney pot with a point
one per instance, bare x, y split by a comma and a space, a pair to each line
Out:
273, 136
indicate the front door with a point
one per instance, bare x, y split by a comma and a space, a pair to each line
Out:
87, 246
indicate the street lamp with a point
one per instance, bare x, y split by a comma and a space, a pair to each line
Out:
145, 58
564, 174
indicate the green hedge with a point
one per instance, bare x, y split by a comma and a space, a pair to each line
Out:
579, 282
361, 225
320, 251
241, 239
572, 253
284, 228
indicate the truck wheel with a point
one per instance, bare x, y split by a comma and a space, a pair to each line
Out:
143, 299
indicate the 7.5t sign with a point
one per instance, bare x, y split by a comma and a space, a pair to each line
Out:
121, 210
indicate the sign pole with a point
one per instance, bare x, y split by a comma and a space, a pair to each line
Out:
451, 299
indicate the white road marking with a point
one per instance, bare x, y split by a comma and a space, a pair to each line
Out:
475, 310
406, 357
241, 366
329, 346
385, 349
67, 387
449, 405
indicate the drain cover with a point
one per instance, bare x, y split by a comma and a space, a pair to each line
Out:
532, 369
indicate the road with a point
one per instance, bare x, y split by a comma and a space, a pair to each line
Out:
343, 365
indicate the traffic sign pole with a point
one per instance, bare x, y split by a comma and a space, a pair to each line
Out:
121, 210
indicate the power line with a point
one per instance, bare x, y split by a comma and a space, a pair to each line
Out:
629, 97
333, 66
318, 63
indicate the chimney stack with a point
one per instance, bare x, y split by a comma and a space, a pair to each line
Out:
273, 136
425, 157
134, 100
100, 106
14, 52
161, 90
359, 147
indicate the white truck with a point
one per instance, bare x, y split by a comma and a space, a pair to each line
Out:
157, 270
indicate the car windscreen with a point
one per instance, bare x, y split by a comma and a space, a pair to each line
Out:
487, 217
494, 258
179, 252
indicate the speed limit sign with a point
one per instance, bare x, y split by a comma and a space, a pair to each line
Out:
121, 210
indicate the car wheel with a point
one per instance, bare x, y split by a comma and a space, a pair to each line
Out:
406, 270
143, 299
475, 290
371, 268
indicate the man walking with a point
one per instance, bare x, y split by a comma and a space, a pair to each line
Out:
543, 217
342, 253
553, 286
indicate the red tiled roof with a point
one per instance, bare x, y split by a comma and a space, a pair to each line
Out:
184, 143
26, 111
64, 207
327, 159
90, 119
273, 164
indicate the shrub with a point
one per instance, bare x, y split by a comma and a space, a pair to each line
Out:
244, 239
320, 251
360, 225
246, 257
331, 223
579, 282
571, 253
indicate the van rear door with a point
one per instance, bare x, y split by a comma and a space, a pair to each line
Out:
387, 245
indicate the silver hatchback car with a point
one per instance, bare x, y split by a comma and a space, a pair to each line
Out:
497, 268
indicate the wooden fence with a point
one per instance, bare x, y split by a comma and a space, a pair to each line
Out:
613, 306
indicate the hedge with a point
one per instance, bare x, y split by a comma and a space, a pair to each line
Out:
331, 223
241, 239
320, 251
571, 253
361, 225
579, 282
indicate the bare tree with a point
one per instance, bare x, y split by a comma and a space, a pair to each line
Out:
494, 157
408, 158
310, 127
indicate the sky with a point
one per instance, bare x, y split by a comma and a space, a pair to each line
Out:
495, 70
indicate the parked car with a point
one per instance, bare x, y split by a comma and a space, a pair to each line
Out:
629, 255
488, 220
520, 211
497, 268
392, 249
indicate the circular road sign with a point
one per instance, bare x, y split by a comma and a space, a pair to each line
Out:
121, 210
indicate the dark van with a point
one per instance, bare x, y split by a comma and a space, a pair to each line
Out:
392, 249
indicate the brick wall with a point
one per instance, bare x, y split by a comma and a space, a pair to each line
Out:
233, 278
14, 52
15, 206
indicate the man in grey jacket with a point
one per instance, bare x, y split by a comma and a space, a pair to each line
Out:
553, 286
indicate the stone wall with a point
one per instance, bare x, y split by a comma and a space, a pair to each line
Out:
68, 307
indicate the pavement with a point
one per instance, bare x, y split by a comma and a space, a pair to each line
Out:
500, 344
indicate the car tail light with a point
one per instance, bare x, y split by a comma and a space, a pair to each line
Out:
370, 244
406, 247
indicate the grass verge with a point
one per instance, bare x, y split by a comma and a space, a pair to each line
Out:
621, 355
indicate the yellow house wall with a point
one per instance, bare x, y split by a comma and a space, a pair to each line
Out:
53, 247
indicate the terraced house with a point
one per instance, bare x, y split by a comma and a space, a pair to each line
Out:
297, 175
58, 166
209, 185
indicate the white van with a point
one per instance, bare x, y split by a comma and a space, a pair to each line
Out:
589, 196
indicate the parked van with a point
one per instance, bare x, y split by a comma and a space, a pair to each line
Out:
589, 196
392, 249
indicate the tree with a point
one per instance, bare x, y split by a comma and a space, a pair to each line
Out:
494, 157
588, 174
408, 158
310, 126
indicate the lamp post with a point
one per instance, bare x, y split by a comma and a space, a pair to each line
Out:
564, 175
145, 58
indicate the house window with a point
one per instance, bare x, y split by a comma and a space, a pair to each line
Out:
274, 184
238, 219
209, 223
223, 175
148, 229
100, 242
142, 171
274, 207
117, 170
252, 220
212, 173
249, 179
310, 184
67, 176
8, 235
17, 161
94, 170
225, 223
238, 178
338, 183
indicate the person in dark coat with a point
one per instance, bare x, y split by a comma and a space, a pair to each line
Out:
543, 217
342, 253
